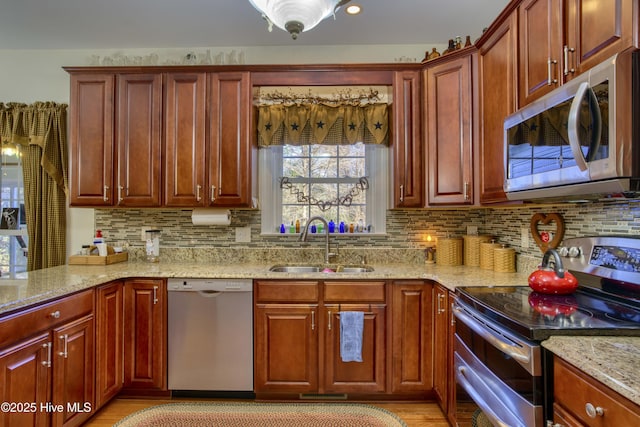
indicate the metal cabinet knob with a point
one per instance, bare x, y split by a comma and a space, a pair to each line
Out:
593, 411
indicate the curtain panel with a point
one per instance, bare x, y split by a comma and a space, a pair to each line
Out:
322, 124
40, 131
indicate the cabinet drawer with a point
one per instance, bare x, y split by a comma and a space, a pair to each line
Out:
573, 391
30, 321
294, 291
354, 291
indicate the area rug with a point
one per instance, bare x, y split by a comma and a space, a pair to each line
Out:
243, 414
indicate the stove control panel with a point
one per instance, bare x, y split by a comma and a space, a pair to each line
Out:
605, 256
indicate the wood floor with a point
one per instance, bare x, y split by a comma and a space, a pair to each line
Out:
414, 414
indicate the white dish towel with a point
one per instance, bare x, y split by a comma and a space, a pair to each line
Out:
351, 326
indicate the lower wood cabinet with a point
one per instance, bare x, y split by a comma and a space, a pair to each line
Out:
412, 345
297, 337
145, 337
49, 365
109, 341
581, 401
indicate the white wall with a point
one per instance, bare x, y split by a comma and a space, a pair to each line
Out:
37, 75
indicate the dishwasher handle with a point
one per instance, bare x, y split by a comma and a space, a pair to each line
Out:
209, 294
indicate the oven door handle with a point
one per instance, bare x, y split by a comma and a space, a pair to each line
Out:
518, 353
478, 399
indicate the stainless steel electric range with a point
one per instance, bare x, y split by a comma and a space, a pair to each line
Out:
501, 368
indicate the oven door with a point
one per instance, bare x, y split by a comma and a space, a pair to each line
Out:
498, 374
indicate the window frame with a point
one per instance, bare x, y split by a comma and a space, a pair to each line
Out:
270, 161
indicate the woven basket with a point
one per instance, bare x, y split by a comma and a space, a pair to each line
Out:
472, 248
486, 254
504, 260
449, 251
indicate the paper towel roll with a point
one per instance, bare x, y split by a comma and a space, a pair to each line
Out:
203, 216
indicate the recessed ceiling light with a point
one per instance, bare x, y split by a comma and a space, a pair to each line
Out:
353, 9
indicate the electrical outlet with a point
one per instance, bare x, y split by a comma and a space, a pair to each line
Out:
524, 237
243, 234
143, 236
472, 230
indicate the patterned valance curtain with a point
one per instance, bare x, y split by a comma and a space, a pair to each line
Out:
305, 124
40, 131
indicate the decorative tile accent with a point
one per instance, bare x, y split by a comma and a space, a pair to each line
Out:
406, 231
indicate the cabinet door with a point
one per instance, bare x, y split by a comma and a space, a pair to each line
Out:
230, 146
411, 337
184, 165
597, 30
368, 376
109, 341
407, 141
139, 122
73, 372
497, 64
145, 361
25, 378
441, 365
450, 132
286, 348
91, 139
540, 48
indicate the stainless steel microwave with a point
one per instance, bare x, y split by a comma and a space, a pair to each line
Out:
580, 139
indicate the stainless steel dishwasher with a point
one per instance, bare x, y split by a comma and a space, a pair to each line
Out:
210, 327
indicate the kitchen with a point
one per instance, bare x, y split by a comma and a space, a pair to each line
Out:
405, 227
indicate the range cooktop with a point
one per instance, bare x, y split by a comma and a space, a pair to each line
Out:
607, 301
537, 316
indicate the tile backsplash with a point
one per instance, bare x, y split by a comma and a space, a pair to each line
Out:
406, 229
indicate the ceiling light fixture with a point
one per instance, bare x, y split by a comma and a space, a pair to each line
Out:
296, 16
353, 9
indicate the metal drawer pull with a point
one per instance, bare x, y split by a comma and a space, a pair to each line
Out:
155, 295
567, 70
120, 188
55, 314
47, 362
105, 196
65, 352
550, 79
329, 317
313, 320
593, 411
402, 193
213, 193
198, 187
440, 309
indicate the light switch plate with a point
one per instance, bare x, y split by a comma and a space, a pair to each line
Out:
243, 234
472, 230
524, 237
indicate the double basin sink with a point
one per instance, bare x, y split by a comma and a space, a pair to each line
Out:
321, 269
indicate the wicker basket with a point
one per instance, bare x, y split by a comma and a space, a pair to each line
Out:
504, 260
449, 251
486, 254
472, 248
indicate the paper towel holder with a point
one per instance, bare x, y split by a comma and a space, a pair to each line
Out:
210, 216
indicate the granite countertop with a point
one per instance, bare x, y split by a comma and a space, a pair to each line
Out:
51, 283
613, 361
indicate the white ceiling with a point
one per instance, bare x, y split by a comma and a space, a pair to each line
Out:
105, 24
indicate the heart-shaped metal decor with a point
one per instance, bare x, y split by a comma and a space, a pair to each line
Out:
541, 237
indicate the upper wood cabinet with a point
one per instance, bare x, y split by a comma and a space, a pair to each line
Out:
449, 129
540, 48
596, 30
497, 92
91, 139
559, 40
115, 140
408, 191
138, 140
123, 121
229, 180
185, 144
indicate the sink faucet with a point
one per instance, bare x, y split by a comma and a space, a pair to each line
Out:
303, 236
